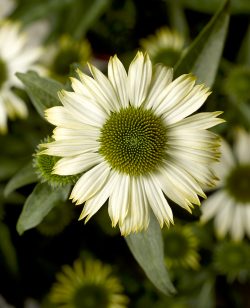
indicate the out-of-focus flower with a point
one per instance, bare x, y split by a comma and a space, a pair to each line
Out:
180, 246
164, 47
16, 55
57, 219
233, 260
230, 204
66, 52
6, 8
133, 139
90, 285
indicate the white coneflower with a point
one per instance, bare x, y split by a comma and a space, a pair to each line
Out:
131, 137
16, 55
165, 46
230, 204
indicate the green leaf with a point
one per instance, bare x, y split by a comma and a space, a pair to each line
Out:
31, 11
42, 91
210, 6
84, 14
7, 249
147, 249
203, 56
23, 177
244, 53
39, 203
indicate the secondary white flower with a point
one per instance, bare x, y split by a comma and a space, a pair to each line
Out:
230, 205
165, 46
16, 55
131, 137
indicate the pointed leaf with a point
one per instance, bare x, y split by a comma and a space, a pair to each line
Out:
147, 249
39, 203
42, 91
7, 249
23, 177
203, 56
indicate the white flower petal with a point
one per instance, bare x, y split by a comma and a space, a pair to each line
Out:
238, 226
157, 92
119, 79
224, 217
119, 199
69, 148
187, 105
90, 183
175, 92
139, 78
94, 90
157, 201
242, 146
106, 86
78, 164
213, 205
86, 132
199, 121
3, 117
93, 204
60, 116
137, 218
182, 187
14, 105
86, 111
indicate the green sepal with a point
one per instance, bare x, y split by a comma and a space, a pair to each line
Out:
39, 203
147, 249
202, 57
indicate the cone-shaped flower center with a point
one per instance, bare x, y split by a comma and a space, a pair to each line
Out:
175, 245
238, 183
90, 296
133, 141
3, 72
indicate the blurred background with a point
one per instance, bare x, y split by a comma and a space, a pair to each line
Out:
207, 271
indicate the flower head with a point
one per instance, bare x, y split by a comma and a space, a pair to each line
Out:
230, 204
180, 246
16, 55
131, 137
233, 260
165, 46
88, 285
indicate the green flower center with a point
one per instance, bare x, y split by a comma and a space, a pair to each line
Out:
238, 183
3, 73
91, 296
167, 57
175, 245
133, 141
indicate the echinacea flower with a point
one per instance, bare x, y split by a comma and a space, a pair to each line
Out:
16, 55
230, 204
180, 246
233, 260
131, 137
88, 285
165, 46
